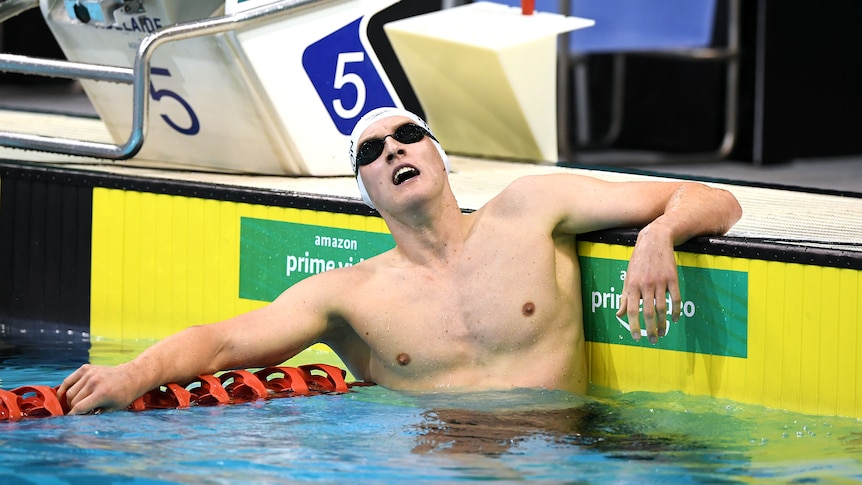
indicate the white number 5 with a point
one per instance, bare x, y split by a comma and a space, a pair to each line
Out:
342, 79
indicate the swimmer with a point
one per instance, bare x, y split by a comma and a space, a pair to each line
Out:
489, 300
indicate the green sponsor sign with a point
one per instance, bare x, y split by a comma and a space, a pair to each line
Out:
714, 317
274, 255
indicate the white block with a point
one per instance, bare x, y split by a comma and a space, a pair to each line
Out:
486, 77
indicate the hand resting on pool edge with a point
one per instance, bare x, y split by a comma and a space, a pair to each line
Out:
486, 300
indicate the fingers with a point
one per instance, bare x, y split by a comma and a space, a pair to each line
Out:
632, 314
86, 406
654, 313
676, 299
79, 391
652, 283
70, 387
649, 314
79, 398
64, 386
659, 328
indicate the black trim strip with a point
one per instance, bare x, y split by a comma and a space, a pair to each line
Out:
224, 192
747, 248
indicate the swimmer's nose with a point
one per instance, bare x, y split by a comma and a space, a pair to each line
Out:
392, 148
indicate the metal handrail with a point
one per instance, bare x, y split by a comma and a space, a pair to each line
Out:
138, 76
11, 8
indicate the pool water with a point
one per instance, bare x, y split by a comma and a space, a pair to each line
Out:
374, 435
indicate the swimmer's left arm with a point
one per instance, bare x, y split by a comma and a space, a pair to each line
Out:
690, 210
580, 204
668, 213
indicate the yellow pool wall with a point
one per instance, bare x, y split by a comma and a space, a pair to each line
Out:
161, 263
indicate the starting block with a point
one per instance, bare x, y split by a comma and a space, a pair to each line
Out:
272, 86
255, 86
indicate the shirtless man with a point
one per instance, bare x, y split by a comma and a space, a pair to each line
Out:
486, 300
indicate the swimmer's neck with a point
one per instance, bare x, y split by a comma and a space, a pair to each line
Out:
432, 240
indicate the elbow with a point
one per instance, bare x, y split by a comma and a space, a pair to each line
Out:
721, 206
732, 207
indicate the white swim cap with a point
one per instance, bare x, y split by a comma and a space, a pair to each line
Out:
377, 115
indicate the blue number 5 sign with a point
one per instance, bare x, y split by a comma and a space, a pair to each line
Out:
344, 76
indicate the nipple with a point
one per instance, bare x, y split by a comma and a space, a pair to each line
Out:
403, 358
528, 309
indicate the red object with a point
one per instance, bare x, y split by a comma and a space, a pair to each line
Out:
234, 386
38, 401
528, 7
207, 390
292, 380
170, 396
243, 386
10, 406
332, 381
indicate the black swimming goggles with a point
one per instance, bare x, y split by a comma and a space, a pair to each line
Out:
371, 150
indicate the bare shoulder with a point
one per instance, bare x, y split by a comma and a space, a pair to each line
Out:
572, 203
547, 195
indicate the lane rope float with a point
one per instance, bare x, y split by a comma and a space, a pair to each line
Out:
228, 387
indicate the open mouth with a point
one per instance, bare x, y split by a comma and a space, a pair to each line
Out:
403, 174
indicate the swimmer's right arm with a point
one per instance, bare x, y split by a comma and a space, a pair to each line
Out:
259, 338
106, 388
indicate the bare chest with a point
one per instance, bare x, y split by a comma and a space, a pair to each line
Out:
492, 304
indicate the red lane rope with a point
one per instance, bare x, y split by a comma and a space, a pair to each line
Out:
230, 387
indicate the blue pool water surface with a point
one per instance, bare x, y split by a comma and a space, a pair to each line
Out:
374, 435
